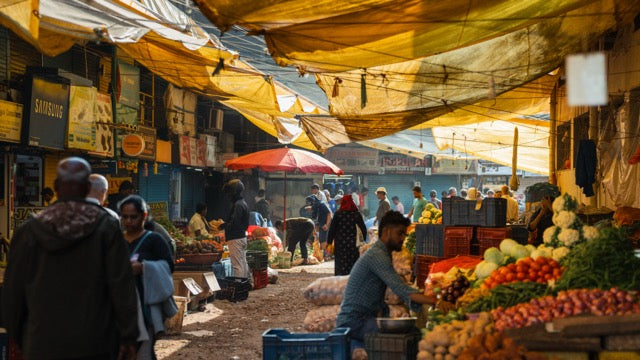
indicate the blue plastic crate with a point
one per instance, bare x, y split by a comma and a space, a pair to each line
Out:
280, 344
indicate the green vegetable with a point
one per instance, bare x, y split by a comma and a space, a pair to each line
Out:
484, 269
605, 262
519, 252
437, 317
507, 295
493, 255
506, 246
258, 245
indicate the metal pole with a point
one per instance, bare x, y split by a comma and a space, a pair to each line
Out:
284, 216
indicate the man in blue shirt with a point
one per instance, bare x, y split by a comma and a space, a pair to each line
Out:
371, 275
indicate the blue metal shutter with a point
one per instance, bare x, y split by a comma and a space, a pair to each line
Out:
155, 187
193, 184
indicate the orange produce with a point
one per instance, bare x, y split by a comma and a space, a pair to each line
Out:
541, 270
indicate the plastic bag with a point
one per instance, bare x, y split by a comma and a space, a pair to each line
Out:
321, 319
327, 290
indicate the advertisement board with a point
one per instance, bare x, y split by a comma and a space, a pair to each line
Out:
81, 130
48, 112
105, 144
10, 121
354, 159
403, 164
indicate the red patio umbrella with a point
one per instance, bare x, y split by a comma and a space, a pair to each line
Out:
284, 159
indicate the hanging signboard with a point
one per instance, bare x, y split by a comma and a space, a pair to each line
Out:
159, 209
163, 151
48, 112
128, 85
353, 159
185, 150
10, 121
403, 164
149, 136
446, 166
81, 130
104, 145
132, 145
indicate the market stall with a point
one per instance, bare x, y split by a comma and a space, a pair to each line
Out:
573, 297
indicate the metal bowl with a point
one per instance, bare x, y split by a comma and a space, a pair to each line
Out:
396, 325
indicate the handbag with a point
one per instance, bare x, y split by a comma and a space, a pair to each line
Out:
359, 237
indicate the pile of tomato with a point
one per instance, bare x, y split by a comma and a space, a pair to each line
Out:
540, 270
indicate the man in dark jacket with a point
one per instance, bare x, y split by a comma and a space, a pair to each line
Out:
235, 228
68, 289
321, 214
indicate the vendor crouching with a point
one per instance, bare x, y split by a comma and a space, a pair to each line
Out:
371, 275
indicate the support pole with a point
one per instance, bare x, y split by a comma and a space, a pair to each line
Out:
552, 134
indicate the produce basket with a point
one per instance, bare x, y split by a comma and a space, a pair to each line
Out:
260, 279
380, 346
257, 260
281, 344
430, 239
204, 259
457, 240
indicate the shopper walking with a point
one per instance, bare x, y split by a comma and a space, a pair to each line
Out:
150, 255
398, 205
72, 249
383, 206
343, 234
433, 199
321, 214
235, 228
419, 203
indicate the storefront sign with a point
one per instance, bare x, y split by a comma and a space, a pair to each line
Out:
163, 151
159, 209
403, 164
48, 112
114, 183
210, 151
81, 131
22, 214
10, 121
446, 166
354, 159
132, 145
104, 145
128, 85
149, 136
192, 151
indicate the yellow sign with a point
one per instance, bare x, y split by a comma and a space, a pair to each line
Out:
10, 121
81, 132
132, 145
114, 183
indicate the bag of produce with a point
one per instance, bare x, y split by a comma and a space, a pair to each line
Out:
321, 319
327, 290
272, 275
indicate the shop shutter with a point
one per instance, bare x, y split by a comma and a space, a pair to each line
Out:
401, 185
22, 54
193, 183
155, 187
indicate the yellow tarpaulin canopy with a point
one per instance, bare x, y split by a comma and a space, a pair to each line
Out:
331, 36
494, 141
21, 17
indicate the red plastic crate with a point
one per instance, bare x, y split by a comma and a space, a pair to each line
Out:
457, 240
260, 279
491, 237
423, 265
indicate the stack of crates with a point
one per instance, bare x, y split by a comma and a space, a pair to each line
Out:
258, 263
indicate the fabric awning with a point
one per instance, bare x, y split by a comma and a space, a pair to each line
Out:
332, 36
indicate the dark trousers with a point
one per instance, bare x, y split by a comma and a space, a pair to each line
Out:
299, 234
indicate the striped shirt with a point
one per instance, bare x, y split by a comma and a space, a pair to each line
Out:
368, 281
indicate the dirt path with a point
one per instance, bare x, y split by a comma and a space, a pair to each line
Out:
228, 330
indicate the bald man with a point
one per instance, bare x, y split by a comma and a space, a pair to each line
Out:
98, 193
71, 250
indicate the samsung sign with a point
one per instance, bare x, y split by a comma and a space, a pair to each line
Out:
48, 111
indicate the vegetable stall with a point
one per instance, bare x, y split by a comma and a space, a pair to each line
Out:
573, 297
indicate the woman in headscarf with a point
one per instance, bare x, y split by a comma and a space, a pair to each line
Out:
343, 235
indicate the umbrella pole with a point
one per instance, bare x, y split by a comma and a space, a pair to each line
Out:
284, 216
